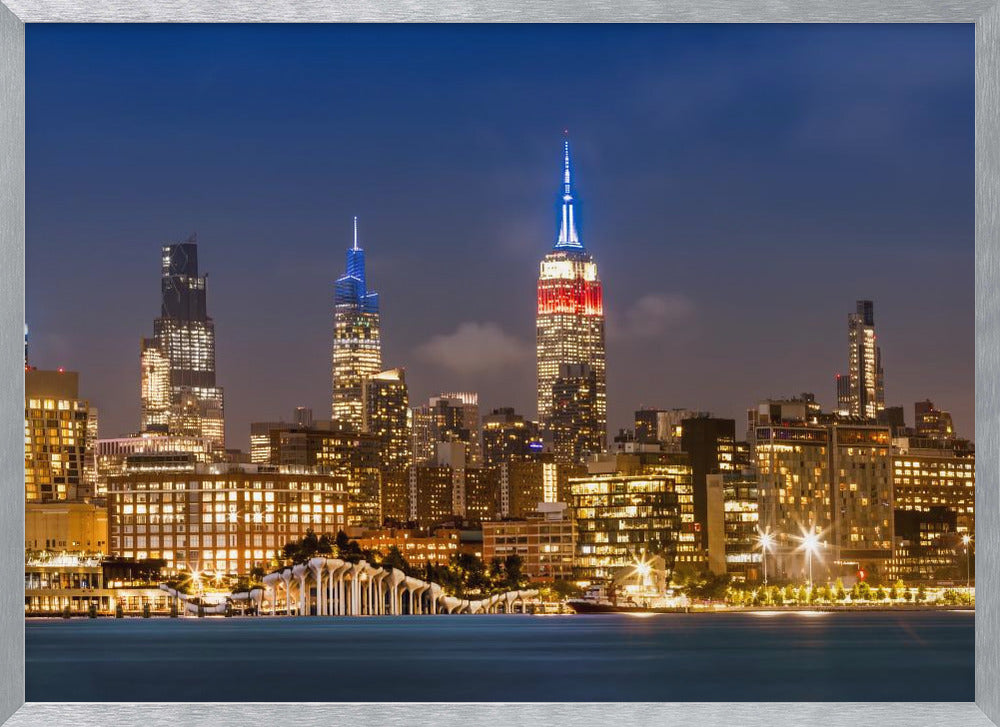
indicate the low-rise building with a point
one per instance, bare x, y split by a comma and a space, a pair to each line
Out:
417, 548
221, 518
544, 541
75, 526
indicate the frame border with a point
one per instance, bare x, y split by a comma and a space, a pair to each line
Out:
985, 711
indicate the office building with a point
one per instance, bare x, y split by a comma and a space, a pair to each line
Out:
357, 343
178, 387
570, 320
621, 519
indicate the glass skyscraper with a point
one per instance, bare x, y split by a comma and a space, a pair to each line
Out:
867, 382
570, 321
357, 346
179, 394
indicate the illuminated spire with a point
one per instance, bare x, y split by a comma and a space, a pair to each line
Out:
568, 239
352, 288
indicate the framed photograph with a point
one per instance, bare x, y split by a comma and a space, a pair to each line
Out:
547, 363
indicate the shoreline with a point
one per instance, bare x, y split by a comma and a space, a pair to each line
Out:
775, 610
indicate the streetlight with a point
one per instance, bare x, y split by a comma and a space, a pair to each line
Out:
966, 539
810, 544
765, 541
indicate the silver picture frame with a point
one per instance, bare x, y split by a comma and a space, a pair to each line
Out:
985, 14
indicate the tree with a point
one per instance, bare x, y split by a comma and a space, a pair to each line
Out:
394, 559
921, 594
839, 592
513, 568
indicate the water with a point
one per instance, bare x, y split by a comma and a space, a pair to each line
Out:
903, 656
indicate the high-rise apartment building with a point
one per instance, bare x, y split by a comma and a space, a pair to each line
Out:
179, 392
357, 344
833, 480
56, 437
570, 320
452, 417
387, 416
508, 437
867, 381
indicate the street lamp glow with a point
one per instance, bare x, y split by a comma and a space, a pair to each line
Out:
810, 544
966, 539
765, 540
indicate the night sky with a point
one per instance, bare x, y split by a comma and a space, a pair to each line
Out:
739, 187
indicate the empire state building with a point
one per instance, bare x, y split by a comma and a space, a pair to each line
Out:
570, 322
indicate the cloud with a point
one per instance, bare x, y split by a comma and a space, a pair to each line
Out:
655, 313
475, 348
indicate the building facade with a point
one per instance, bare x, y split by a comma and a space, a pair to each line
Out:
338, 449
79, 527
178, 387
570, 318
866, 379
357, 342
387, 416
217, 518
831, 480
930, 473
620, 517
56, 436
508, 437
544, 541
575, 426
447, 418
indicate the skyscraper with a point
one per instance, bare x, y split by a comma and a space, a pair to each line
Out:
387, 415
867, 385
357, 346
570, 322
179, 394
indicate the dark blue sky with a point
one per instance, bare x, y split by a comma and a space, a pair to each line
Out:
740, 187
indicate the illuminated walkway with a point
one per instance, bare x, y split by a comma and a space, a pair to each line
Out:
333, 587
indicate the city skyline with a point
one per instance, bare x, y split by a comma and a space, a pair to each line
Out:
704, 353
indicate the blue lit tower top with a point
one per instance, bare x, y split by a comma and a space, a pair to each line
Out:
351, 288
568, 237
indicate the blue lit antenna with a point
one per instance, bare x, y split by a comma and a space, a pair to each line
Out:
568, 238
351, 289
